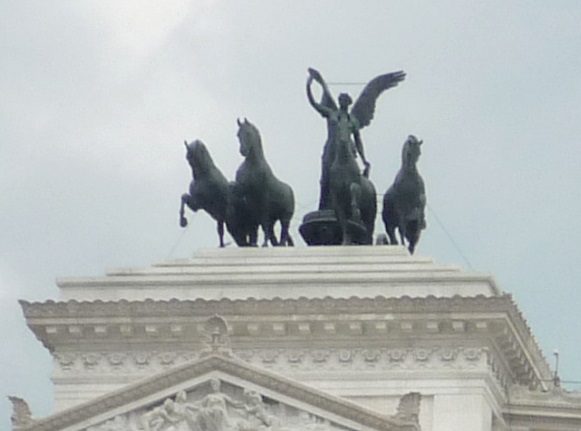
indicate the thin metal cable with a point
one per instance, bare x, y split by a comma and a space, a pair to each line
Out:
456, 246
347, 83
184, 231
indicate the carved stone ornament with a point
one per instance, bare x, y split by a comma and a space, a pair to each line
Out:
218, 341
218, 409
218, 393
409, 407
432, 358
21, 415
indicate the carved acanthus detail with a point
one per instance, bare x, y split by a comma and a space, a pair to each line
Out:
423, 355
448, 354
143, 362
371, 355
358, 359
320, 356
396, 355
90, 360
294, 357
345, 356
473, 354
269, 356
137, 362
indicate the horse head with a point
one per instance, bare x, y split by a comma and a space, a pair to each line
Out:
198, 157
249, 138
411, 151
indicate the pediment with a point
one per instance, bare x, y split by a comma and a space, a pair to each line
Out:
220, 393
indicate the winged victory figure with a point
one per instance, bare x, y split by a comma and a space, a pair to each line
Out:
343, 124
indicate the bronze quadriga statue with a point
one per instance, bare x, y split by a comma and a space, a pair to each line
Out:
347, 203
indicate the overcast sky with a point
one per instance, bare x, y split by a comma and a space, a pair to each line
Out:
98, 96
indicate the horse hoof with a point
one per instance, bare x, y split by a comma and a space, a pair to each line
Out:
183, 222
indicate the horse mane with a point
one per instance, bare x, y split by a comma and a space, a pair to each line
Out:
202, 162
253, 137
405, 151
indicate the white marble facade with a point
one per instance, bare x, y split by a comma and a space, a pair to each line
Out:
345, 331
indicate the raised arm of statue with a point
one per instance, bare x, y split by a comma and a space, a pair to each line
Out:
327, 105
323, 110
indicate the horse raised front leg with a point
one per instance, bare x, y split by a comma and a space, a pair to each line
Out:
183, 219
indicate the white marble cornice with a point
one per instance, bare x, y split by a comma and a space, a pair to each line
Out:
556, 397
275, 306
493, 320
535, 409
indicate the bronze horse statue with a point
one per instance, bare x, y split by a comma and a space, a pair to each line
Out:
267, 199
352, 194
405, 201
239, 222
209, 189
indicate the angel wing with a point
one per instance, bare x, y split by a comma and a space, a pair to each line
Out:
364, 107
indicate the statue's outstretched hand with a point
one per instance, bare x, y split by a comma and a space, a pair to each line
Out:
314, 74
366, 169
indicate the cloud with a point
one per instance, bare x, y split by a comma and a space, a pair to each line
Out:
134, 29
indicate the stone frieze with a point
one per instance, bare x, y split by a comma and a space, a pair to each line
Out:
146, 362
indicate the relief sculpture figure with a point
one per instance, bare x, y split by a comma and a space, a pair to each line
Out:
213, 413
172, 415
256, 415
